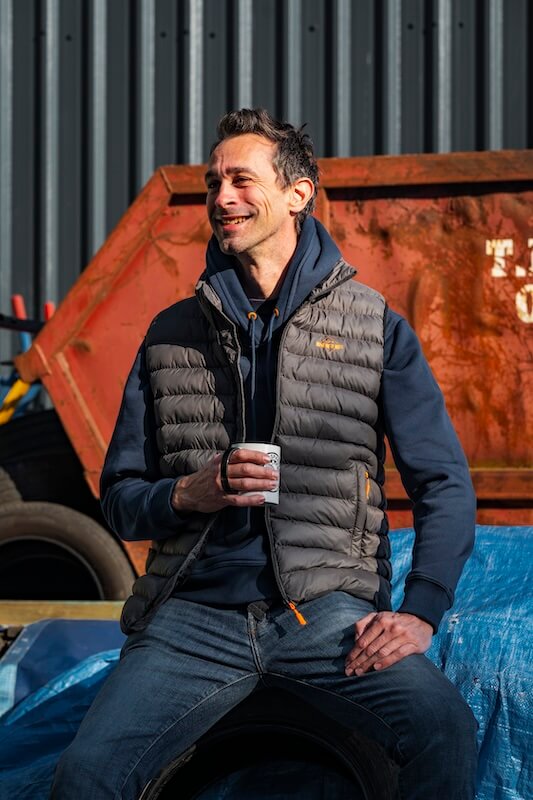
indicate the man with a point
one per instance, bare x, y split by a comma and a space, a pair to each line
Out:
279, 344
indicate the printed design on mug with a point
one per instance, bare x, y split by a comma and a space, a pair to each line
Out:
329, 343
274, 460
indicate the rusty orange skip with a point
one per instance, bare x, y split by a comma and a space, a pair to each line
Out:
448, 239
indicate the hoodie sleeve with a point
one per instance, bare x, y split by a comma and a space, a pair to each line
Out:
433, 470
135, 498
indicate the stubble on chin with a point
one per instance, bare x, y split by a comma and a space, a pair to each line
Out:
228, 247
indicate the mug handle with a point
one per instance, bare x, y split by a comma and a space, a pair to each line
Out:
226, 455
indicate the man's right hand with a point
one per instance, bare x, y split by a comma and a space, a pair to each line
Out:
247, 471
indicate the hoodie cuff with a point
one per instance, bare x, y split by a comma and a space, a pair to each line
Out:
163, 511
426, 600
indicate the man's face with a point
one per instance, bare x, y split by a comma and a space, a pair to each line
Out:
248, 209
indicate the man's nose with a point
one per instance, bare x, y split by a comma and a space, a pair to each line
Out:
226, 194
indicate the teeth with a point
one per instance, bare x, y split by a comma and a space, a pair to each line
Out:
234, 221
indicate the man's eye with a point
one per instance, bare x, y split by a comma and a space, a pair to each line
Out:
212, 185
240, 179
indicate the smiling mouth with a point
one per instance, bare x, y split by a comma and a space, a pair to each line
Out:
231, 221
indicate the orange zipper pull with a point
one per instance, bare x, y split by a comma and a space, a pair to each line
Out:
367, 485
300, 617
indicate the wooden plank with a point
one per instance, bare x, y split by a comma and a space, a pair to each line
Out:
22, 612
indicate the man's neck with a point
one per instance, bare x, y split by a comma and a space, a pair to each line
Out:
262, 277
256, 283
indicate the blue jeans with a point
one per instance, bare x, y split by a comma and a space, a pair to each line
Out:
193, 663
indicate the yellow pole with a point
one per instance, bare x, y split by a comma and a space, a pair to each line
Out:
11, 400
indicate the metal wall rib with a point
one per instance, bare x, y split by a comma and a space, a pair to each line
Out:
95, 93
6, 144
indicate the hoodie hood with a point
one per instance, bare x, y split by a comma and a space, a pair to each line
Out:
314, 258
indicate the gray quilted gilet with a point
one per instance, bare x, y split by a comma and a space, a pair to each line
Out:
327, 532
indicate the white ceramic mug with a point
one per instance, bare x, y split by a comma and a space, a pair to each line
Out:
274, 453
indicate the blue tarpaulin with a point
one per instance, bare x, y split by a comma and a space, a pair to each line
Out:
51, 674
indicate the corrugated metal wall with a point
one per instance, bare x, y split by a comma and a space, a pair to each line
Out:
96, 93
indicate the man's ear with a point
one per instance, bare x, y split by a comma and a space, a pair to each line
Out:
301, 192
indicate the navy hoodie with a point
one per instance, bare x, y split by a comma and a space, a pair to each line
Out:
235, 566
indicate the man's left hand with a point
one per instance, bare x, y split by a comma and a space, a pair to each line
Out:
383, 638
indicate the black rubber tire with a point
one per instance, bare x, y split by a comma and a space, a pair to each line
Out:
37, 455
59, 550
8, 491
269, 724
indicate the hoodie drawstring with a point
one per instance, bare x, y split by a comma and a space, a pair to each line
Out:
252, 316
275, 314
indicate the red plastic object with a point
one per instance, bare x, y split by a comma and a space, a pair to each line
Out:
19, 306
49, 310
448, 239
